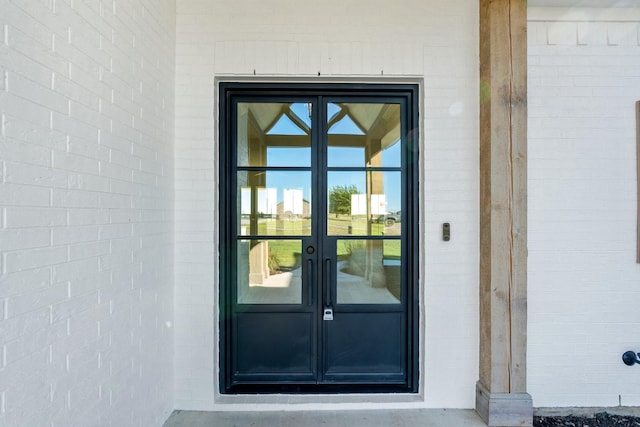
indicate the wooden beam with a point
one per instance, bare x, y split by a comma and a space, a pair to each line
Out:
337, 140
345, 108
254, 123
501, 397
387, 120
297, 120
337, 117
638, 175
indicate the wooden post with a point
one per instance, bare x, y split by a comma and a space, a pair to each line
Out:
638, 176
501, 397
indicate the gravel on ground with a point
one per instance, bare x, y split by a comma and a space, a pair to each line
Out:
601, 419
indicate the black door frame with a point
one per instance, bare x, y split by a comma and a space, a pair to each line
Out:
228, 91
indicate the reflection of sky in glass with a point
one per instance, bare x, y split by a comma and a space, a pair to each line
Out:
346, 156
392, 155
289, 156
332, 110
284, 126
345, 126
354, 156
303, 111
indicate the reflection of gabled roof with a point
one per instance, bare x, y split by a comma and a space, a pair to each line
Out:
355, 123
268, 115
362, 115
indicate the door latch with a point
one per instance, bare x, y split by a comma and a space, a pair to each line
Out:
327, 313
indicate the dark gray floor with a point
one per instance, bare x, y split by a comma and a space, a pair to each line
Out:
361, 418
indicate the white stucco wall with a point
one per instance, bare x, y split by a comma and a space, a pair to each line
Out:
86, 212
431, 42
584, 283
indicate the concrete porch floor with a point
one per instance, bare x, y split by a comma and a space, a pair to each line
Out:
359, 418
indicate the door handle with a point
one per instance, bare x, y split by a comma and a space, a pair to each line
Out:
327, 312
327, 282
309, 278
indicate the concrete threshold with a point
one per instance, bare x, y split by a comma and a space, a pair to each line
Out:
346, 418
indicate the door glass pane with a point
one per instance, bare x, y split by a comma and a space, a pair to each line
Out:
274, 203
363, 135
274, 134
269, 272
364, 203
368, 271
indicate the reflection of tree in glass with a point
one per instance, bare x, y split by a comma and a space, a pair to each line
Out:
340, 198
274, 263
284, 255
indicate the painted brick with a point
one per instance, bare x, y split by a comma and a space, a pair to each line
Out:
36, 300
429, 40
592, 33
29, 153
87, 182
562, 33
34, 217
87, 166
582, 185
23, 239
74, 99
23, 173
625, 34
33, 258
25, 324
25, 282
84, 216
88, 250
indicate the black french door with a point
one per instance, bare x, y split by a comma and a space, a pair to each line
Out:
318, 238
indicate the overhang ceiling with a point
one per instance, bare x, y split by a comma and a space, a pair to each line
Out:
585, 3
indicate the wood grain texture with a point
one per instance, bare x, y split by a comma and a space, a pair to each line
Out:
503, 195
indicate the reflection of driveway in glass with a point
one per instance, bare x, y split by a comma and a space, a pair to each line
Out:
281, 280
280, 288
353, 289
285, 288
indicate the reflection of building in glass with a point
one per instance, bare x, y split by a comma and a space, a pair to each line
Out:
358, 204
293, 201
378, 204
245, 200
267, 201
304, 211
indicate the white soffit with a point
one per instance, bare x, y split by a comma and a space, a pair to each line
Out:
585, 3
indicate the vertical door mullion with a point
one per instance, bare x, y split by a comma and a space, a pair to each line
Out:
320, 212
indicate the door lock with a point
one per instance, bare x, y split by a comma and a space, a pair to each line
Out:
327, 313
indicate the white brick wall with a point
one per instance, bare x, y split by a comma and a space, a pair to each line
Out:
431, 40
584, 283
87, 193
86, 212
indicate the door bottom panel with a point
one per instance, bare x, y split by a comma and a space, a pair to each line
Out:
370, 346
270, 354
